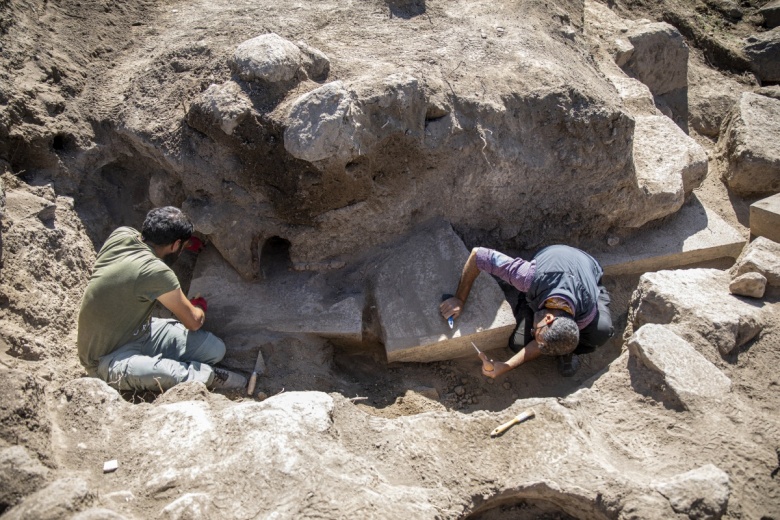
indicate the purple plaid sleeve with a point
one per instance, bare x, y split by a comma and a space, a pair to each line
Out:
515, 271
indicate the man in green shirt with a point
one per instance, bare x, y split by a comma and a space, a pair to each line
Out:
119, 341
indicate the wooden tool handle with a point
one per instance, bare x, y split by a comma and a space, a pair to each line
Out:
486, 363
252, 383
517, 420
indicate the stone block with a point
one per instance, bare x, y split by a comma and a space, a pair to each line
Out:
760, 256
750, 140
668, 164
289, 303
696, 305
762, 50
765, 218
686, 372
695, 234
748, 284
408, 287
659, 58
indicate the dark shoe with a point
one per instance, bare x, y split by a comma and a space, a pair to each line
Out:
227, 380
568, 364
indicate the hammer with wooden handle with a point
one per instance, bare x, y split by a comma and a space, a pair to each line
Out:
517, 420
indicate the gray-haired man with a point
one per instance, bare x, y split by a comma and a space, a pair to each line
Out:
563, 309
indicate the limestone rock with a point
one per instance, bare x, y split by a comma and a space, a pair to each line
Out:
751, 141
339, 123
760, 256
771, 13
699, 493
225, 106
635, 96
315, 62
409, 284
319, 124
60, 499
669, 164
711, 95
20, 475
268, 57
697, 306
686, 372
762, 50
658, 57
749, 284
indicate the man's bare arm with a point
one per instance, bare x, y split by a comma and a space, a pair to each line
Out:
190, 316
454, 306
527, 353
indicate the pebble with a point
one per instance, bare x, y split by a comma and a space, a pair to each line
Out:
459, 390
507, 385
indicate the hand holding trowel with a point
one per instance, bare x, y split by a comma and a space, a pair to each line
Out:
487, 365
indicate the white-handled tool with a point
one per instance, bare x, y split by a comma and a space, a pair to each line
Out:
517, 420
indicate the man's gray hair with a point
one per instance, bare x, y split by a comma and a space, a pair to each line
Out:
562, 336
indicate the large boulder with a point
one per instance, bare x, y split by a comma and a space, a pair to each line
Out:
750, 140
267, 57
696, 305
762, 50
333, 123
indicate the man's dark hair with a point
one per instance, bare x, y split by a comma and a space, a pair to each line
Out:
164, 226
562, 336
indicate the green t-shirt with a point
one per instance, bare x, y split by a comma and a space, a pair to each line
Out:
117, 305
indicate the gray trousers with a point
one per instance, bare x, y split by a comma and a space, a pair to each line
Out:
169, 355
